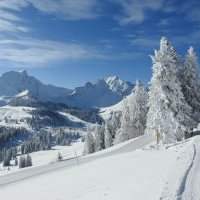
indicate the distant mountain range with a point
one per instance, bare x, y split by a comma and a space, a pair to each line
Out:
26, 90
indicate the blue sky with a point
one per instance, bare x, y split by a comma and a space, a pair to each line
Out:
69, 42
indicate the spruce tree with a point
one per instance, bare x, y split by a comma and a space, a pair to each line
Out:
134, 113
22, 162
28, 161
89, 146
191, 83
99, 137
169, 114
108, 139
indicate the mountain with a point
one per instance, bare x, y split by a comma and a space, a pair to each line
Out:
12, 83
23, 89
119, 86
104, 92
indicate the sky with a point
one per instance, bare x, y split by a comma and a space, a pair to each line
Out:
70, 42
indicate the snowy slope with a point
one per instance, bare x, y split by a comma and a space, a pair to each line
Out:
106, 112
11, 116
34, 118
184, 177
148, 173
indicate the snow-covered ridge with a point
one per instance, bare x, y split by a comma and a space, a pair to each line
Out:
118, 85
102, 93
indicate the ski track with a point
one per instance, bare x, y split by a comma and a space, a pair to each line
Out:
40, 170
192, 183
188, 188
182, 186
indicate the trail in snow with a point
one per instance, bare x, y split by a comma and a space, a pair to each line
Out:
192, 183
183, 185
36, 171
184, 178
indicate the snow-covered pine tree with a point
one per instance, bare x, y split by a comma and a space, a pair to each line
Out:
7, 158
89, 146
16, 161
138, 110
122, 133
108, 138
99, 137
191, 83
169, 114
133, 121
22, 162
28, 161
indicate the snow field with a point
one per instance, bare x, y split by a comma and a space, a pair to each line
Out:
140, 174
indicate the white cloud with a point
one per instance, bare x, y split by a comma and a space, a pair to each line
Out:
30, 51
65, 9
9, 19
68, 9
9, 26
134, 11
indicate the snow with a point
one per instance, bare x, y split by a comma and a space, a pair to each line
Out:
117, 85
104, 92
148, 173
11, 116
23, 93
42, 158
74, 118
105, 112
17, 116
183, 182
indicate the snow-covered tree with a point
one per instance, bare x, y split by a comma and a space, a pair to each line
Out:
59, 156
28, 161
108, 138
191, 83
123, 133
134, 112
7, 158
89, 146
99, 137
22, 162
169, 114
16, 161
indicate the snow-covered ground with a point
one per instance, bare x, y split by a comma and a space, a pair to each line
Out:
170, 172
18, 117
12, 116
41, 158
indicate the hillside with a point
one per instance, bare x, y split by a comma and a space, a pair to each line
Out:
169, 175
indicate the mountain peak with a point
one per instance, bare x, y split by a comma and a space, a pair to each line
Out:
112, 78
117, 85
